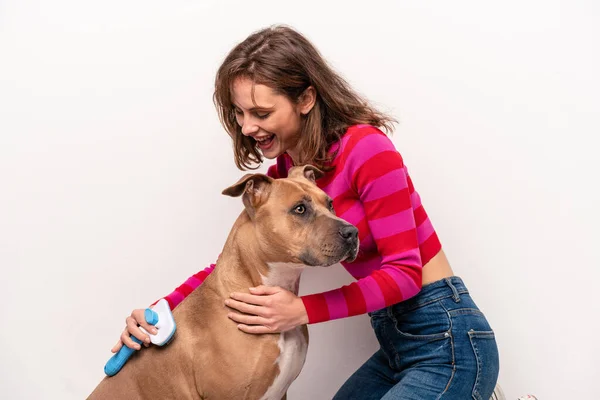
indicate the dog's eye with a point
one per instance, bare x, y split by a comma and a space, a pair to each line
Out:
330, 206
300, 209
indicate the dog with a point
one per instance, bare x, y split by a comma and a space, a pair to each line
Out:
286, 225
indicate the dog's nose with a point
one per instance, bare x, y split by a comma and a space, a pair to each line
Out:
349, 233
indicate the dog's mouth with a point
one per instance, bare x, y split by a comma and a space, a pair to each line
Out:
352, 254
329, 255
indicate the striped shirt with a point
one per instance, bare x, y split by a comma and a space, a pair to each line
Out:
371, 189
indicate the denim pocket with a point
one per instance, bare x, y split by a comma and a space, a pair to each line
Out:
427, 323
420, 336
486, 354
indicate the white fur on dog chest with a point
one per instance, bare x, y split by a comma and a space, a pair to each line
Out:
292, 348
292, 344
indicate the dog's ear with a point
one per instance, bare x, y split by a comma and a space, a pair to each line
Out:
308, 171
255, 189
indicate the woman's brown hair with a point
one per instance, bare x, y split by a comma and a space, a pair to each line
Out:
285, 61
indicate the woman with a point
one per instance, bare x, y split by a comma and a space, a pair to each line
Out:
278, 99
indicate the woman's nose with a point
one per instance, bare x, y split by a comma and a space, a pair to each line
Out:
249, 127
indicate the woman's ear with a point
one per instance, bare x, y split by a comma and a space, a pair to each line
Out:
307, 100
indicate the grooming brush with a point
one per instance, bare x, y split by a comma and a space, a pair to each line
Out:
161, 317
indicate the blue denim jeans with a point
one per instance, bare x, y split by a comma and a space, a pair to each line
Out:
436, 345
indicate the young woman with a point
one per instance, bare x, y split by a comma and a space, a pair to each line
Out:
278, 99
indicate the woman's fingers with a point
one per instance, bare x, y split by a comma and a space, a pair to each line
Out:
133, 329
140, 319
262, 290
255, 329
117, 346
245, 308
127, 341
248, 319
133, 323
258, 300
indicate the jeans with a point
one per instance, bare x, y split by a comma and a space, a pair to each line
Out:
436, 345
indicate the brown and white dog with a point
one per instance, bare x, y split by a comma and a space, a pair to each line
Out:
287, 224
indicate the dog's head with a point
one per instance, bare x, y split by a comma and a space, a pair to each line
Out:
293, 217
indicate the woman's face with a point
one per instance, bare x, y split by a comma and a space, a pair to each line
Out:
273, 121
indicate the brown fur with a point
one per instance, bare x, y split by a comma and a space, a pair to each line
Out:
209, 357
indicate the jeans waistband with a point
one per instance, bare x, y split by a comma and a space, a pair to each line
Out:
452, 286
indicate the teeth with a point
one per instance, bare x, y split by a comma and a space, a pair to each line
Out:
263, 139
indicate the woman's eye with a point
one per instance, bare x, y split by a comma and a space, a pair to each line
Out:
263, 116
300, 209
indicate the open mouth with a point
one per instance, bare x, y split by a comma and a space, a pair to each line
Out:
265, 142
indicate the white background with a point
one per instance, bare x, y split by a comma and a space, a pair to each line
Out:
112, 161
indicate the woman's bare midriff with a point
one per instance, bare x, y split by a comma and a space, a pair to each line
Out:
437, 268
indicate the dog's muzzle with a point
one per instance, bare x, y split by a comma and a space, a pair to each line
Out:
349, 236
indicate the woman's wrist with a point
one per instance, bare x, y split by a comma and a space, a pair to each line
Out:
302, 313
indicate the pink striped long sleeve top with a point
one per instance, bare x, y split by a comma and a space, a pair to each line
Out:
371, 189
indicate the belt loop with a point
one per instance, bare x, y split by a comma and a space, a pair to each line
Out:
389, 312
455, 295
392, 315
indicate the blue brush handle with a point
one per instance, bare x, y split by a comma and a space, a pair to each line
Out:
117, 361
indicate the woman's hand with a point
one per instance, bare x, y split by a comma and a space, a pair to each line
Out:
267, 309
131, 328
